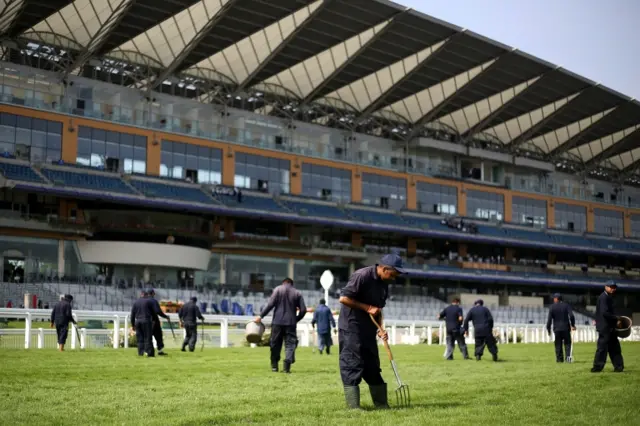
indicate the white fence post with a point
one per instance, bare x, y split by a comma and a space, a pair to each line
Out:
116, 332
74, 339
83, 338
126, 331
430, 335
40, 338
224, 333
27, 331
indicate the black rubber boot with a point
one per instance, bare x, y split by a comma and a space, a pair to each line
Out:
379, 396
286, 367
352, 396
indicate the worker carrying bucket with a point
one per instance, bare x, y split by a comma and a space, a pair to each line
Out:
253, 332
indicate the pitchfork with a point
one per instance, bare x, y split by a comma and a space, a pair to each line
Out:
403, 397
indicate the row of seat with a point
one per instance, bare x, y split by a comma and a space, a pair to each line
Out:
195, 194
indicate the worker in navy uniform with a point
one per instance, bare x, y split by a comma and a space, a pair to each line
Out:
324, 319
452, 315
157, 326
142, 314
365, 294
284, 301
564, 321
606, 323
189, 314
61, 316
483, 329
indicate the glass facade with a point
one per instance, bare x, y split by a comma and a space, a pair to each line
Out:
571, 217
255, 273
262, 173
200, 164
28, 259
30, 139
434, 198
608, 222
384, 191
327, 183
529, 211
635, 225
113, 151
485, 205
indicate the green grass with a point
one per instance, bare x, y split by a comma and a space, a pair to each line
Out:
235, 386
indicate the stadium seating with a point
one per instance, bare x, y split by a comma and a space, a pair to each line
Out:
252, 202
314, 209
19, 172
378, 218
171, 192
96, 182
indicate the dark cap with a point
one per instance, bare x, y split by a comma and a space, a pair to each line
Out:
68, 297
194, 299
150, 291
479, 302
557, 296
393, 261
611, 284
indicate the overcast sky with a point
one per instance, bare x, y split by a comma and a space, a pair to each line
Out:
598, 39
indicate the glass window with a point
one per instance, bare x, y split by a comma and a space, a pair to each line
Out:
327, 183
266, 174
384, 191
438, 199
113, 151
570, 217
609, 222
30, 139
485, 205
201, 164
529, 211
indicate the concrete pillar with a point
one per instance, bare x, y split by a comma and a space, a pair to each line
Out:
291, 268
61, 259
223, 269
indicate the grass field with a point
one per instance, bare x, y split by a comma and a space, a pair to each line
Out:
235, 386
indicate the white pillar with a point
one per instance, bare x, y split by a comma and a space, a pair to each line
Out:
393, 334
61, 260
83, 338
291, 269
40, 338
429, 335
146, 274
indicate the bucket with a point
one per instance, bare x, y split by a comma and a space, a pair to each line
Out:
625, 330
253, 332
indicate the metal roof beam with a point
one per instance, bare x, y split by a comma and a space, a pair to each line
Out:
100, 36
579, 138
525, 136
193, 43
12, 6
315, 93
486, 122
379, 102
623, 145
249, 79
435, 112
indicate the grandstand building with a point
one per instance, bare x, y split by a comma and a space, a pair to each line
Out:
222, 145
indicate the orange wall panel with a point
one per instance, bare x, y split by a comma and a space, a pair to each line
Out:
356, 185
296, 177
412, 202
551, 214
